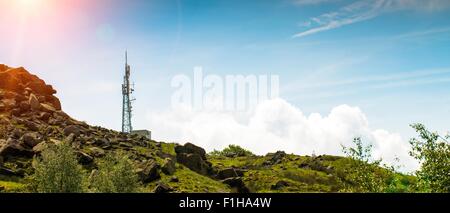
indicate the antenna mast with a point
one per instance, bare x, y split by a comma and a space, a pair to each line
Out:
127, 90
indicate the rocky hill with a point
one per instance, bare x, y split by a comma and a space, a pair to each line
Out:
31, 118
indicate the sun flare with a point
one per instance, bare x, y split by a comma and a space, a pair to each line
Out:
29, 4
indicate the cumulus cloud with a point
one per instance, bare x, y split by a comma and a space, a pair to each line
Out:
277, 125
363, 10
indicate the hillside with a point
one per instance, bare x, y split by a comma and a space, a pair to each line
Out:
31, 118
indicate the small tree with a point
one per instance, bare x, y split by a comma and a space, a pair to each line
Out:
433, 152
232, 151
115, 175
363, 173
57, 171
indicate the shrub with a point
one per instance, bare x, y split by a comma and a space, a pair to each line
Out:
232, 151
433, 152
115, 175
57, 171
363, 174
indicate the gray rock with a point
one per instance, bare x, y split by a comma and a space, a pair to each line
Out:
227, 173
31, 139
279, 185
168, 167
162, 188
73, 129
84, 158
34, 102
195, 163
148, 172
97, 152
190, 148
237, 184
12, 147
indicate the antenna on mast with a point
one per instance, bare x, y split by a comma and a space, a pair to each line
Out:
126, 101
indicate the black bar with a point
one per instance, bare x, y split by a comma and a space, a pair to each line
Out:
167, 202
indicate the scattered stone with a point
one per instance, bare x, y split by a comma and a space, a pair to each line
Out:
7, 172
148, 172
34, 102
84, 158
168, 167
73, 129
47, 108
227, 173
162, 188
44, 116
194, 158
31, 139
24, 106
190, 148
97, 152
12, 147
195, 163
279, 185
30, 125
17, 133
174, 179
237, 184
40, 147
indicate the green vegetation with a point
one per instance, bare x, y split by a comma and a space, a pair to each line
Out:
115, 175
232, 151
189, 181
364, 173
57, 171
433, 152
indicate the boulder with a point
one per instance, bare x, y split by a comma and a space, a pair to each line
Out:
31, 139
195, 163
190, 148
24, 106
227, 173
84, 158
39, 147
17, 133
162, 188
148, 172
276, 158
97, 152
237, 184
168, 167
174, 179
7, 172
73, 129
47, 108
30, 125
33, 101
12, 147
279, 185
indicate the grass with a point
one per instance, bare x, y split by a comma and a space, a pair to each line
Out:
12, 184
191, 182
168, 148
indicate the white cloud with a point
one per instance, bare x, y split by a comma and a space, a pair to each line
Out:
363, 10
277, 125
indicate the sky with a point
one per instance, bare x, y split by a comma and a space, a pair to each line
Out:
347, 68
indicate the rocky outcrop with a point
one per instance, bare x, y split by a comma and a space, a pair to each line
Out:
22, 92
194, 158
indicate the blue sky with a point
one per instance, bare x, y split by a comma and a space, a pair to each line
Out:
390, 58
